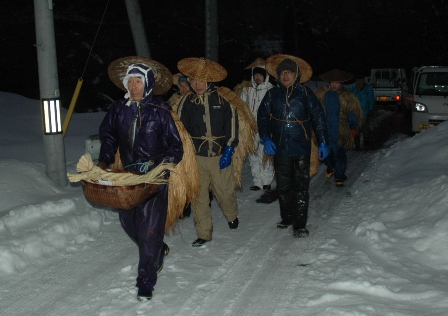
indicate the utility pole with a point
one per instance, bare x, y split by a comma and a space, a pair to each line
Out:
211, 30
138, 28
49, 90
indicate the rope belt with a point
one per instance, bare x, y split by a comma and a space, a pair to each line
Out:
211, 138
294, 121
144, 166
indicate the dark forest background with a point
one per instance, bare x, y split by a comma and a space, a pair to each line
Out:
352, 35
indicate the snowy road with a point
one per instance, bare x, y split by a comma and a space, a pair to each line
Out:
230, 276
371, 249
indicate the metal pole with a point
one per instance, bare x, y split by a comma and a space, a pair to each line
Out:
138, 28
49, 87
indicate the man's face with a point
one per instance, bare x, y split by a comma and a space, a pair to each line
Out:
184, 87
335, 85
287, 77
199, 86
136, 88
258, 78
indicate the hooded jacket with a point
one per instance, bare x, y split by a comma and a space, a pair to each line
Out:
287, 116
143, 132
253, 95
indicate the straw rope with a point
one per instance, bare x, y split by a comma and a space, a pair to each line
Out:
94, 174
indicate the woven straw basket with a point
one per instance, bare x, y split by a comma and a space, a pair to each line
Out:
122, 197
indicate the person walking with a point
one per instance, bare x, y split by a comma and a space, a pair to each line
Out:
287, 117
344, 118
262, 171
142, 128
212, 123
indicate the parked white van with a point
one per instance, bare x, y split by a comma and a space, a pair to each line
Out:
429, 101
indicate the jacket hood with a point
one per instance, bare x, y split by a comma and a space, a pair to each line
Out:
143, 72
266, 76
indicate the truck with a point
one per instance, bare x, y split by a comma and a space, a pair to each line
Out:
388, 85
428, 98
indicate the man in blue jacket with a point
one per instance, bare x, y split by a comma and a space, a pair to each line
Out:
344, 118
287, 116
142, 128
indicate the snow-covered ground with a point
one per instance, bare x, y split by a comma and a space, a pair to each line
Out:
377, 246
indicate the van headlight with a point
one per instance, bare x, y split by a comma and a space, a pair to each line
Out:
419, 107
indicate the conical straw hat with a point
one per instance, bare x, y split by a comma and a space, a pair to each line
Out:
305, 69
162, 76
202, 69
259, 62
336, 75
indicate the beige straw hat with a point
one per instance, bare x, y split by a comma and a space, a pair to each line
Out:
202, 69
162, 76
305, 69
259, 62
336, 75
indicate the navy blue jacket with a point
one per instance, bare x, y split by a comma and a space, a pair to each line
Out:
154, 132
287, 116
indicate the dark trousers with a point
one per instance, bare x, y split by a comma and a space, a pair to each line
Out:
145, 225
293, 181
337, 160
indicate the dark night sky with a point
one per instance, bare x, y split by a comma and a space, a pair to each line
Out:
348, 34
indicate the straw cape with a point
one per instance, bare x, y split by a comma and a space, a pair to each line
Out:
336, 75
202, 69
240, 87
273, 61
246, 132
349, 103
118, 68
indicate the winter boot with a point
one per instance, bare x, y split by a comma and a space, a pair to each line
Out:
301, 232
234, 224
144, 294
199, 242
268, 197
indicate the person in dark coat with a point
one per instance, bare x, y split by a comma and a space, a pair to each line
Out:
142, 128
286, 117
344, 118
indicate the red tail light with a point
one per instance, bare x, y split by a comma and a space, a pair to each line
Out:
397, 98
